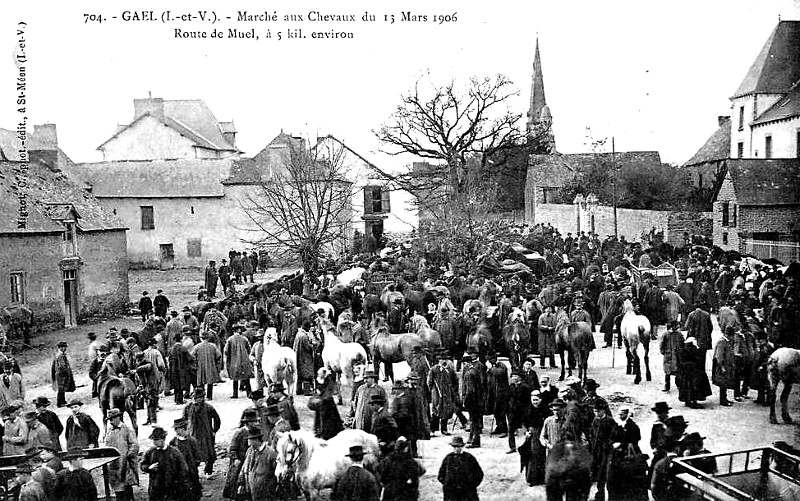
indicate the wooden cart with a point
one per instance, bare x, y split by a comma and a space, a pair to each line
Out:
758, 474
95, 458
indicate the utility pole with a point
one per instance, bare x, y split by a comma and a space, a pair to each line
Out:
614, 185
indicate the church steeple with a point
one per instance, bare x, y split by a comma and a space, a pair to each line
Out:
538, 101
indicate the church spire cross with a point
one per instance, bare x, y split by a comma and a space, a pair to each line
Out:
538, 101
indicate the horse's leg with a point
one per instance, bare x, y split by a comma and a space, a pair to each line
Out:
628, 358
787, 389
646, 346
637, 367
389, 367
561, 356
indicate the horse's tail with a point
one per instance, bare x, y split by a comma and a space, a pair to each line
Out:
289, 375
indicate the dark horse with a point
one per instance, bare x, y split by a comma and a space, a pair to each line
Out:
567, 472
119, 393
517, 338
480, 337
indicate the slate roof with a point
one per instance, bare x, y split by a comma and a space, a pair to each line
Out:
787, 107
765, 181
557, 169
48, 193
193, 119
717, 147
192, 178
777, 66
266, 162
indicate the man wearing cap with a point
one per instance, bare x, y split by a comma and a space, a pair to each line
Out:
443, 387
671, 342
15, 432
237, 361
29, 489
361, 401
174, 328
38, 435
75, 483
473, 395
123, 473
169, 474
553, 427
600, 444
460, 474
188, 448
357, 484
81, 430
383, 425
211, 277
50, 420
190, 321
237, 451
723, 368
208, 361
497, 396
60, 372
204, 423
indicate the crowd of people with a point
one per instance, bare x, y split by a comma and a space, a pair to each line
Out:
183, 356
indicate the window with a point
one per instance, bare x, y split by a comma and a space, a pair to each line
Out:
768, 147
741, 118
734, 209
552, 195
194, 247
740, 150
70, 247
725, 207
699, 179
148, 218
17, 287
191, 209
377, 206
725, 238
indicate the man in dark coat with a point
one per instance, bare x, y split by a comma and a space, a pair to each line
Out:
145, 305
691, 380
188, 448
75, 483
50, 420
210, 278
161, 304
383, 425
237, 451
285, 405
61, 374
258, 469
443, 387
497, 396
600, 442
357, 484
208, 364
180, 370
81, 430
204, 423
169, 474
399, 474
473, 396
460, 474
518, 404
404, 413
237, 361
699, 326
224, 272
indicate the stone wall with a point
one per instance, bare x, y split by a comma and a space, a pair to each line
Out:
630, 222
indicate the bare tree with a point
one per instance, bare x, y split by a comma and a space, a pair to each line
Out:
472, 137
304, 210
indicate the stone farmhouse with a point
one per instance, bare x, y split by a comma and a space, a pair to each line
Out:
66, 259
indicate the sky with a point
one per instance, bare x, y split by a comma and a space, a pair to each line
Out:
655, 75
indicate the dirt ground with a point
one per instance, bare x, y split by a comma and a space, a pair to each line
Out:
741, 426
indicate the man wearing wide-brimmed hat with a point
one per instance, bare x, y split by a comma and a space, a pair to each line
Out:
29, 489
443, 387
169, 474
204, 423
473, 395
699, 326
661, 409
693, 446
553, 427
361, 401
38, 434
123, 473
237, 450
187, 446
357, 482
61, 374
208, 360
81, 430
50, 420
258, 469
237, 361
76, 480
15, 433
383, 424
277, 394
460, 474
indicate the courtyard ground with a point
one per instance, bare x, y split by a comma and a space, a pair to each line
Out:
742, 426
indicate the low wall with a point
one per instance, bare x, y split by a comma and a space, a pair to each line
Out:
631, 223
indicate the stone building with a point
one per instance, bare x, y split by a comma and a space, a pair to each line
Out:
66, 258
706, 168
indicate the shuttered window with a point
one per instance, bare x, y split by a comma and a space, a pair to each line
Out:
194, 247
148, 218
725, 208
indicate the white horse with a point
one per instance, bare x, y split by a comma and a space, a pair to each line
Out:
279, 363
635, 329
340, 357
315, 464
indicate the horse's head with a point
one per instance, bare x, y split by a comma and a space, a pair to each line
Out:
270, 335
627, 306
419, 322
516, 315
291, 456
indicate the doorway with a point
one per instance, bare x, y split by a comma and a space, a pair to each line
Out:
167, 257
71, 308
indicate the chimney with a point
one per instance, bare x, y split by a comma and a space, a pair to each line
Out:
152, 105
44, 146
722, 120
